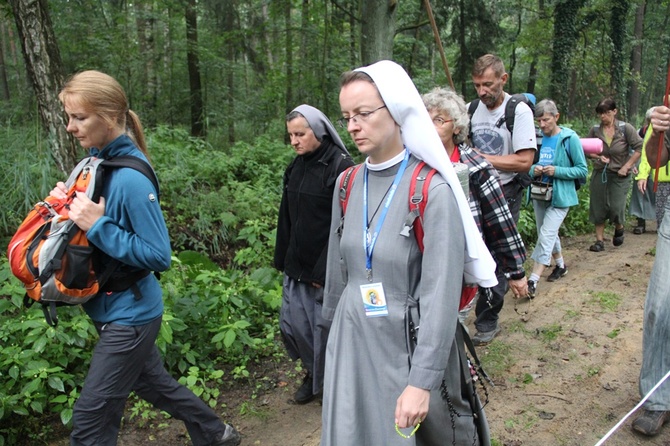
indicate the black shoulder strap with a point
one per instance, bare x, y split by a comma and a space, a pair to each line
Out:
136, 163
471, 111
510, 109
473, 106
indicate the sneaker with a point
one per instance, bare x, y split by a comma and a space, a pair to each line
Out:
640, 228
598, 246
230, 437
304, 393
650, 422
532, 288
617, 240
557, 273
484, 337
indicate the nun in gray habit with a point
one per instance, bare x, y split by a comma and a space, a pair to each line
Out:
384, 385
302, 240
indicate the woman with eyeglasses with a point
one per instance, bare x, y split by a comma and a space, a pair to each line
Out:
487, 200
394, 370
612, 173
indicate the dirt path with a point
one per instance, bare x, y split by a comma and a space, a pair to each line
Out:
563, 377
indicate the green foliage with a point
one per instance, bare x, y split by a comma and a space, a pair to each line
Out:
219, 201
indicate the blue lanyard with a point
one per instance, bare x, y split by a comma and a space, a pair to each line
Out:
369, 242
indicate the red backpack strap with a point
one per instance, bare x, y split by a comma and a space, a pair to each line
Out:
418, 197
345, 190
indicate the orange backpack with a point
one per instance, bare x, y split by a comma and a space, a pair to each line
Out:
51, 256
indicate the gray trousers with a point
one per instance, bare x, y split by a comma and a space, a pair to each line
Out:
655, 345
126, 359
304, 330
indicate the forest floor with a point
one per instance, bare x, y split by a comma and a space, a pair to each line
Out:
564, 374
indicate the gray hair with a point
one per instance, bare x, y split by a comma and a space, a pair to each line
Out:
447, 101
546, 106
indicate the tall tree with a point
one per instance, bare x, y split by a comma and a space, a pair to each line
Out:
636, 60
377, 30
44, 66
619, 37
564, 43
193, 62
146, 23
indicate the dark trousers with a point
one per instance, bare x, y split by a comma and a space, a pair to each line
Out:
490, 302
126, 359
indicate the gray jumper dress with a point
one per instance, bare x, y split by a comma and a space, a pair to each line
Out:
368, 364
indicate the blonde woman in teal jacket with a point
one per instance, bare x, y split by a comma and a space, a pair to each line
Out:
561, 164
645, 171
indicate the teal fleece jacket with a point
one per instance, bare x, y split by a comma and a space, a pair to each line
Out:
133, 231
565, 194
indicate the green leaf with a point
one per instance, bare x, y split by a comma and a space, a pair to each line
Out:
59, 399
218, 337
66, 416
56, 383
36, 406
229, 338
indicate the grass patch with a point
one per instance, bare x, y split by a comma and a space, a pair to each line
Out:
550, 332
527, 419
497, 358
614, 333
517, 327
607, 300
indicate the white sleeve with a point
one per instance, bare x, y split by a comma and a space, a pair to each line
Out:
523, 136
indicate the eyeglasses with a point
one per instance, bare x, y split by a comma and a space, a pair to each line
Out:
362, 116
439, 121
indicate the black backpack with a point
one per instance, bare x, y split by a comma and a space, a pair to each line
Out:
510, 107
523, 179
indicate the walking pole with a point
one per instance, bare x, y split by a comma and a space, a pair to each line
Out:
661, 137
439, 42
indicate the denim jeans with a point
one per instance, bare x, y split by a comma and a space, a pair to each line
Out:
549, 220
655, 345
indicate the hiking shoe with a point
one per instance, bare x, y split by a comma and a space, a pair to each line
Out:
640, 228
230, 437
557, 273
598, 246
650, 422
532, 288
484, 337
617, 240
304, 393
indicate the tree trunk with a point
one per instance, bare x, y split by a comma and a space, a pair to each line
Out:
145, 22
4, 83
619, 36
289, 58
197, 107
377, 30
636, 61
44, 67
565, 38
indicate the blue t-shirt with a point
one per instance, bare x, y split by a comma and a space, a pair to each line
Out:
547, 154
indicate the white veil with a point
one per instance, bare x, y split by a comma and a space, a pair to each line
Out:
418, 134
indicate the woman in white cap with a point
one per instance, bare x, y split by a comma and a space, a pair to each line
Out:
394, 369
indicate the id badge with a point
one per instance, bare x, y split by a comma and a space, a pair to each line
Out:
374, 300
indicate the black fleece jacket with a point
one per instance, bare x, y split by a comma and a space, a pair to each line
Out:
304, 214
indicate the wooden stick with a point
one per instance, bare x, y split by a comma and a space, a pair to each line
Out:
550, 395
439, 42
661, 137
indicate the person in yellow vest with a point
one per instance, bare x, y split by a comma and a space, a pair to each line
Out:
647, 172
